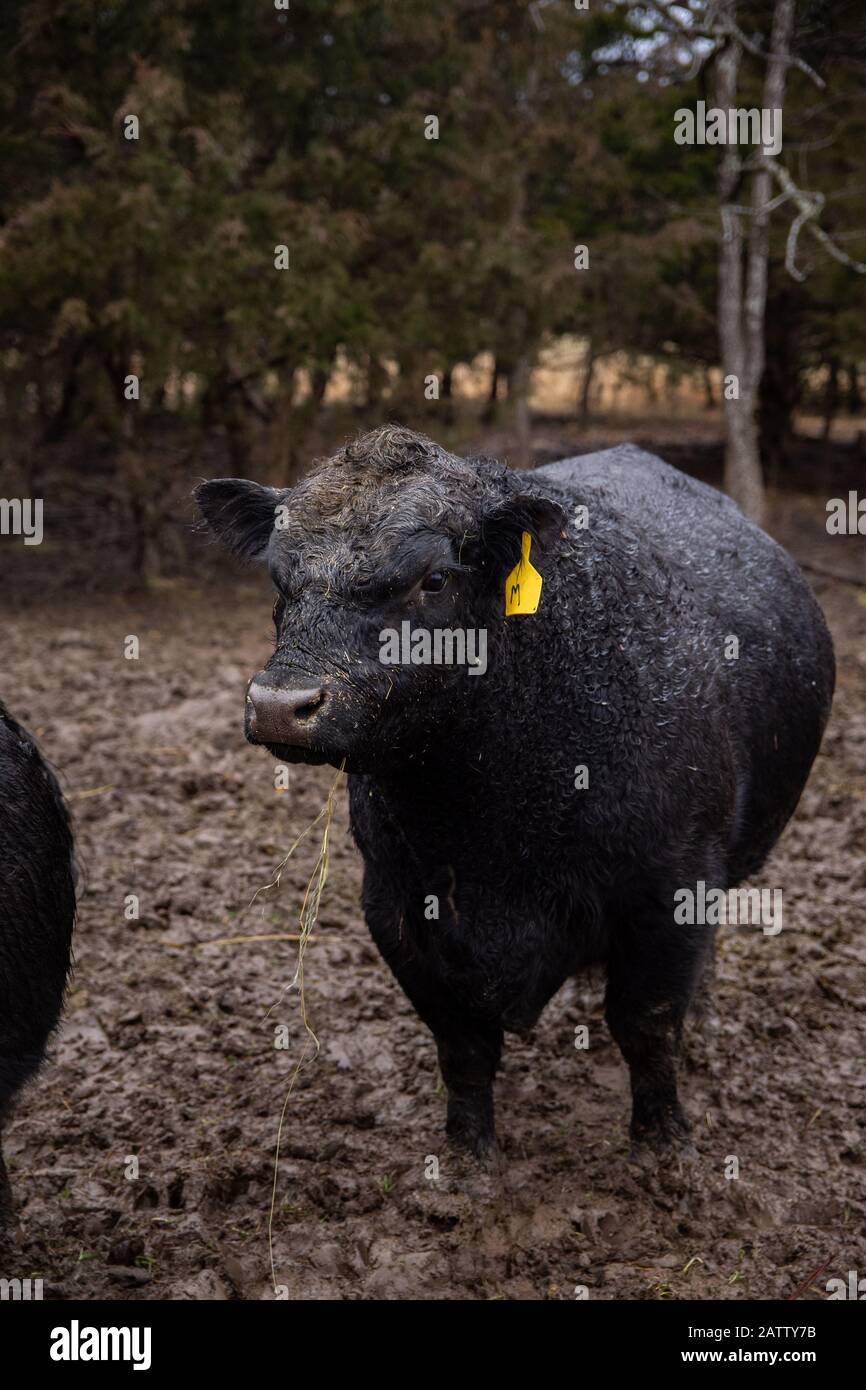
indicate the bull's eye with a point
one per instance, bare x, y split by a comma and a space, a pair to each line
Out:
435, 582
279, 609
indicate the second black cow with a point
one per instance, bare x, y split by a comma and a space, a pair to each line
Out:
37, 911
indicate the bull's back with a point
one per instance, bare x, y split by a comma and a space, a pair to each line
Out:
777, 681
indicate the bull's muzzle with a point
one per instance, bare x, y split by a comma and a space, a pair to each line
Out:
284, 708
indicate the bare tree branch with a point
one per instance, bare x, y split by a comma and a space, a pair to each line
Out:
728, 26
721, 25
809, 206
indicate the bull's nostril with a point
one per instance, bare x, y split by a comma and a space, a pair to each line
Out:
311, 706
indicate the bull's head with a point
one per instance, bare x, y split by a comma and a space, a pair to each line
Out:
391, 537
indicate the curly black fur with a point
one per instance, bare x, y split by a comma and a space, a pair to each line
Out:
37, 911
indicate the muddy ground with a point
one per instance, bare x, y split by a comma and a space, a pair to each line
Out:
167, 1053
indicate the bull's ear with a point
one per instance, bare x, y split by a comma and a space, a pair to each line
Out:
503, 526
241, 513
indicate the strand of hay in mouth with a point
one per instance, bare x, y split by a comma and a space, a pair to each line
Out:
307, 917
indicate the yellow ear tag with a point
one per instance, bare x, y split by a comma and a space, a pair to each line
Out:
523, 585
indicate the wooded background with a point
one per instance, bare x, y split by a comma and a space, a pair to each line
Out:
409, 258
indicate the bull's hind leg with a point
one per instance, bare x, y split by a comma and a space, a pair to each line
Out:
654, 969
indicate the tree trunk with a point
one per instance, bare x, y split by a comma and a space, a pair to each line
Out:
58, 426
709, 397
377, 380
831, 397
294, 426
780, 385
143, 494
446, 411
854, 401
742, 476
743, 296
586, 384
518, 388
488, 414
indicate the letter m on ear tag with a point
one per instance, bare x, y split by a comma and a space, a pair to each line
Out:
523, 585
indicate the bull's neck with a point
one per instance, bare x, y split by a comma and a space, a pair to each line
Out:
469, 785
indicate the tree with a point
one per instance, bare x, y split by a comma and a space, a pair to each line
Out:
715, 33
744, 261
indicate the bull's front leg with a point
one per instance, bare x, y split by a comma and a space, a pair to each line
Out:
469, 1047
469, 1059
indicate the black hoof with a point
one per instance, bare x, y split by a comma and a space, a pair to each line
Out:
659, 1129
481, 1144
